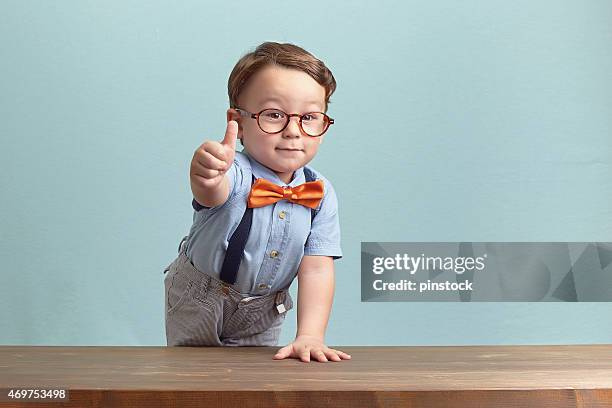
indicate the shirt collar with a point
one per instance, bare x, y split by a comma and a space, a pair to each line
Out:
261, 171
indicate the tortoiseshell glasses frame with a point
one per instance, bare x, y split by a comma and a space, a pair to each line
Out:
326, 120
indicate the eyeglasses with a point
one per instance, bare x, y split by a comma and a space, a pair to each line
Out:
272, 121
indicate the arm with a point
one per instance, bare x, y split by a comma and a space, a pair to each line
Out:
315, 297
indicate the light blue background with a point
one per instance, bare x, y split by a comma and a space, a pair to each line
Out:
455, 121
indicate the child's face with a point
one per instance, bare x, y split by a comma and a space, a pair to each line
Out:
291, 91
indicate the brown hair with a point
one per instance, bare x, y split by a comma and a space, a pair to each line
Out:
286, 55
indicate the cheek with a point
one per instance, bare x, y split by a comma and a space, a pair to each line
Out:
313, 146
256, 138
266, 142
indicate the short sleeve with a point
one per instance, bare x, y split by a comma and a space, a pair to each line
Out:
232, 174
324, 238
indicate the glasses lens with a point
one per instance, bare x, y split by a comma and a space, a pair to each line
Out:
314, 123
272, 120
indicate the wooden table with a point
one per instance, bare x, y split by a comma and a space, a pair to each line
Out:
466, 376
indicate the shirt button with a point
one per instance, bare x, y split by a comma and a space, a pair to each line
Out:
273, 253
281, 215
263, 286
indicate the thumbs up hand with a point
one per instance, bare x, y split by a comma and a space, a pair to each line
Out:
212, 159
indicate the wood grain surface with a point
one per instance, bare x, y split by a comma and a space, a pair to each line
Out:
435, 376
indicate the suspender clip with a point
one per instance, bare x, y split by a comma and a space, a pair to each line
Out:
278, 301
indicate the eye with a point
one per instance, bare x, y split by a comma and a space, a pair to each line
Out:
312, 117
273, 115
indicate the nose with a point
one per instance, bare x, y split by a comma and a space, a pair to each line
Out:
293, 128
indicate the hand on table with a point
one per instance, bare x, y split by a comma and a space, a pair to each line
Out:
305, 346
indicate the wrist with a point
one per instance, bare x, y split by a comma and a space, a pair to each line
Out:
312, 336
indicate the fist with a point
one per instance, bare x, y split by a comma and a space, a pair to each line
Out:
212, 159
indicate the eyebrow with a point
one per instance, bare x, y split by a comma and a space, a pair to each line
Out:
275, 99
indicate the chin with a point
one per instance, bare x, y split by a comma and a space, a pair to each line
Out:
285, 169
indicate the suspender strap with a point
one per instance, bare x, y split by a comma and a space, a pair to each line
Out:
235, 248
310, 176
237, 242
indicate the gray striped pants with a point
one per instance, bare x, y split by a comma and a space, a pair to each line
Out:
204, 311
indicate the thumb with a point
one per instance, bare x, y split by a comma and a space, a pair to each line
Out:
231, 134
284, 352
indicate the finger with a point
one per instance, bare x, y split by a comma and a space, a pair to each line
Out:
216, 149
201, 169
320, 356
231, 134
331, 355
283, 353
205, 173
342, 354
305, 355
207, 182
211, 162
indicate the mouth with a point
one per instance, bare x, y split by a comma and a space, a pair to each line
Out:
289, 150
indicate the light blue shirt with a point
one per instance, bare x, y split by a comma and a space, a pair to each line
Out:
282, 227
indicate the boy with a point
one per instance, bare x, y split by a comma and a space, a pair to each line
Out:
261, 215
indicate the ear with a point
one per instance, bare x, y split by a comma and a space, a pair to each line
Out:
232, 114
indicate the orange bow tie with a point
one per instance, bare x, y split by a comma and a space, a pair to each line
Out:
265, 192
